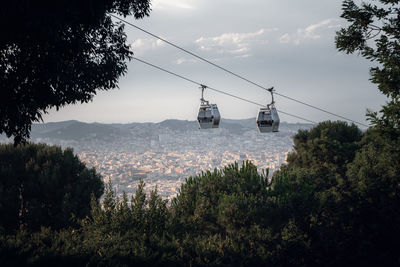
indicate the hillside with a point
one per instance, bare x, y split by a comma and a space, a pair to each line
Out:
76, 130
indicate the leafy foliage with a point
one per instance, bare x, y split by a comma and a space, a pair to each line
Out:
374, 32
233, 216
43, 185
55, 53
374, 175
325, 150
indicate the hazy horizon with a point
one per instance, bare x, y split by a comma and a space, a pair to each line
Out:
167, 119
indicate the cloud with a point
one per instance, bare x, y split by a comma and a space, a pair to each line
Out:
140, 46
335, 26
172, 4
238, 44
243, 56
182, 60
159, 43
284, 39
233, 38
312, 32
205, 48
238, 51
137, 44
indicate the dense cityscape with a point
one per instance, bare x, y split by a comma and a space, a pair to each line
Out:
165, 154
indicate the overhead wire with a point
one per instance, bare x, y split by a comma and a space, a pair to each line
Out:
234, 74
216, 90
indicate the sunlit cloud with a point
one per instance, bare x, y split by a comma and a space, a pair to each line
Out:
182, 60
139, 46
233, 43
312, 32
173, 4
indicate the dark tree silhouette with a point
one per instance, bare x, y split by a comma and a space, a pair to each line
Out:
54, 53
43, 185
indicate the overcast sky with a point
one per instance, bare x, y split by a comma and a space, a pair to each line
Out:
283, 43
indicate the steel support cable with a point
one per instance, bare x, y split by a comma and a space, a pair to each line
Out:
234, 74
317, 108
216, 90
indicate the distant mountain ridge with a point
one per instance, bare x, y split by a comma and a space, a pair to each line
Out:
76, 130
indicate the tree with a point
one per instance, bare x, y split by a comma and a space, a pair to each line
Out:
214, 213
374, 175
43, 185
374, 32
55, 53
325, 149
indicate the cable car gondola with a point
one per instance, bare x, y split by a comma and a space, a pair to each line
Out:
268, 119
208, 116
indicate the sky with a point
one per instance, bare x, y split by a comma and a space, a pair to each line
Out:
282, 43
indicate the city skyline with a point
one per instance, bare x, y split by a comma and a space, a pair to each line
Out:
167, 153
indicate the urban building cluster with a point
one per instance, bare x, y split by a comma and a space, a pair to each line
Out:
168, 161
165, 155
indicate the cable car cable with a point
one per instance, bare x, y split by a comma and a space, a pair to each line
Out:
234, 74
216, 90
167, 71
326, 111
